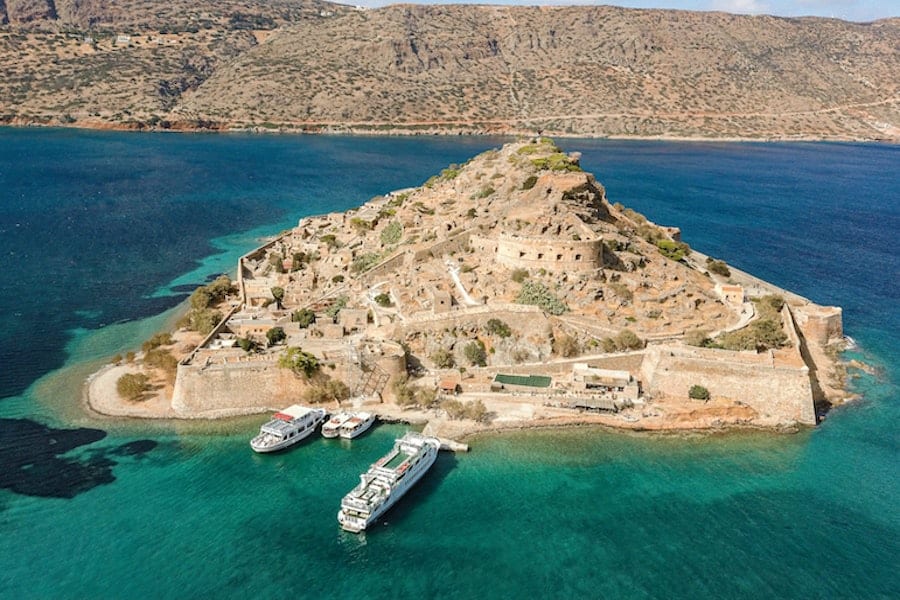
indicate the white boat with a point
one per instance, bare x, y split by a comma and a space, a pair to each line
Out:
387, 480
287, 427
357, 424
332, 427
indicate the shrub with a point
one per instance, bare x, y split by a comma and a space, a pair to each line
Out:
456, 409
697, 337
278, 294
330, 240
566, 346
519, 275
484, 192
718, 267
383, 299
471, 213
628, 340
326, 390
337, 279
360, 225
761, 335
275, 335
475, 353
529, 182
303, 317
364, 262
336, 306
698, 392
204, 321
132, 386
161, 359
158, 339
443, 359
300, 362
537, 294
246, 344
392, 233
673, 250
498, 328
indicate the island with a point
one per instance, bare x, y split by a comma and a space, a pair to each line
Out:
505, 292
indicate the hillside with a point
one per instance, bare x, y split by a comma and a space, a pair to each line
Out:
575, 70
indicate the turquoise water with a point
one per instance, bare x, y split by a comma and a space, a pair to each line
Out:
124, 223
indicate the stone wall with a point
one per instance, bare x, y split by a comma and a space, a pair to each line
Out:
779, 393
234, 388
454, 243
819, 324
542, 253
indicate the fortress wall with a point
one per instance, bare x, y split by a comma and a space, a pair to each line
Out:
455, 243
819, 324
779, 394
531, 318
383, 268
234, 387
535, 253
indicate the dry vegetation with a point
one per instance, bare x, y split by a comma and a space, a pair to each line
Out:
585, 70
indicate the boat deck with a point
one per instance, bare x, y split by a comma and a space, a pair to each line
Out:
396, 460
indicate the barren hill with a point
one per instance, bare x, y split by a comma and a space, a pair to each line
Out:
575, 70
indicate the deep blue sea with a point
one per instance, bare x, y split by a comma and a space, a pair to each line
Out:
103, 234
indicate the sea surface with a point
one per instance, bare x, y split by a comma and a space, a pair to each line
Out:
103, 234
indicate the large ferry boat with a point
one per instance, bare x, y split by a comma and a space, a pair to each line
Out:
387, 480
332, 427
357, 424
287, 427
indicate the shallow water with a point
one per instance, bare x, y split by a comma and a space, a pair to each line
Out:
98, 229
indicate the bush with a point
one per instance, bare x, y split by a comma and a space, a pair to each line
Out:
628, 340
761, 335
718, 267
336, 306
158, 339
519, 275
443, 359
275, 335
471, 213
204, 321
246, 344
278, 294
475, 353
364, 262
537, 294
484, 192
698, 392
392, 233
409, 396
529, 182
132, 386
327, 390
697, 337
566, 346
456, 409
330, 240
673, 250
300, 362
383, 299
498, 328
303, 317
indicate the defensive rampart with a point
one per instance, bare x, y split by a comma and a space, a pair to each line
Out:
542, 253
780, 393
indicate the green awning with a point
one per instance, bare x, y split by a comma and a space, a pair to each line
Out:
537, 381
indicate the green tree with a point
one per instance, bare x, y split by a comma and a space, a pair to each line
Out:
246, 344
498, 328
201, 298
300, 362
327, 390
304, 317
278, 294
698, 392
275, 335
383, 299
628, 340
443, 358
475, 353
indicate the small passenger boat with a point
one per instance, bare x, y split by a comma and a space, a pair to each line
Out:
287, 427
332, 427
357, 424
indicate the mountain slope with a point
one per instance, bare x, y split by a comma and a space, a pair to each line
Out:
577, 70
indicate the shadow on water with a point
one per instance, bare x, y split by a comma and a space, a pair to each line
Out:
33, 461
422, 490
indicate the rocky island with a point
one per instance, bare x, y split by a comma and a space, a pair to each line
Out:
504, 292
